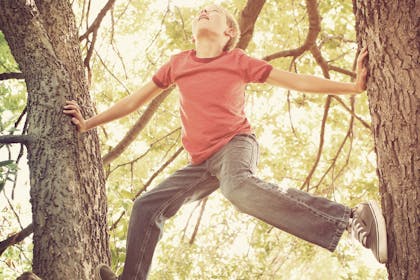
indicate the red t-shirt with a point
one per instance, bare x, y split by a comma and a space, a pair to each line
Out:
212, 97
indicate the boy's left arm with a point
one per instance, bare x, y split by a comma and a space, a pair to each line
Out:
313, 84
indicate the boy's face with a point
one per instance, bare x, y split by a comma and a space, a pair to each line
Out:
211, 19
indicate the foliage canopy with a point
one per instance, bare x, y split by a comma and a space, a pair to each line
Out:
135, 38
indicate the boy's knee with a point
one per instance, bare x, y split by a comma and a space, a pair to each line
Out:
232, 185
142, 206
150, 207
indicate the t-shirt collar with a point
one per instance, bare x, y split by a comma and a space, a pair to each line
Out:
205, 59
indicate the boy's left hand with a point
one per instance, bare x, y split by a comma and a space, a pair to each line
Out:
361, 71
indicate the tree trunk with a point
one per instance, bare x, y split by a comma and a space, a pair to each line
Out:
66, 175
390, 30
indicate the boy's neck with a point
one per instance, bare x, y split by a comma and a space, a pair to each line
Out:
208, 48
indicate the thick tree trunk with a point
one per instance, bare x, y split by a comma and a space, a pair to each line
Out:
390, 30
67, 181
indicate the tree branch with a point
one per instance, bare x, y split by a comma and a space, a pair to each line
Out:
111, 73
184, 230
247, 21
340, 148
316, 53
321, 143
15, 238
86, 61
200, 216
132, 162
323, 64
171, 159
149, 182
363, 122
314, 29
11, 75
13, 139
97, 22
137, 128
342, 71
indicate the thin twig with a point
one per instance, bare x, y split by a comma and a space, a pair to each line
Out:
137, 127
146, 152
13, 210
292, 64
148, 183
363, 122
321, 144
171, 159
184, 230
97, 22
200, 216
112, 74
157, 35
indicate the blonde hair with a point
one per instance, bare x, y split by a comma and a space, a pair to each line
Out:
232, 23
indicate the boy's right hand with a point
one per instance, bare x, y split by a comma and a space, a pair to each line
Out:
72, 109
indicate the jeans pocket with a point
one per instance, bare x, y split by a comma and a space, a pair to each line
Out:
243, 150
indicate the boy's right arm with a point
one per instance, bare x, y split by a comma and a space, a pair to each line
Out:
120, 109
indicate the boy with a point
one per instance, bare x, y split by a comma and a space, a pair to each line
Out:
223, 151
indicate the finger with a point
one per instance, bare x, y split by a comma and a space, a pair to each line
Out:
77, 114
75, 104
362, 56
74, 107
360, 60
75, 121
70, 111
74, 113
72, 102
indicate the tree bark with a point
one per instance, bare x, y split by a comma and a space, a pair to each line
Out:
66, 175
390, 30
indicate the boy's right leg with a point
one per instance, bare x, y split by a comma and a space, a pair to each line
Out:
150, 211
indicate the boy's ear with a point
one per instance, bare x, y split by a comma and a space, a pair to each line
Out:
230, 32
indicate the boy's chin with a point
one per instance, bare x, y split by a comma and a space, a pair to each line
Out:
205, 31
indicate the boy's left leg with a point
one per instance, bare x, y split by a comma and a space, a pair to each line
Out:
312, 218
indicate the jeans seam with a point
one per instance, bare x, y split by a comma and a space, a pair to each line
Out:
250, 165
340, 229
159, 212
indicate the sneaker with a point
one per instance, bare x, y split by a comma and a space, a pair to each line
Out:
103, 272
368, 227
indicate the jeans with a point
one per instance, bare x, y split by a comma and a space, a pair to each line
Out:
312, 218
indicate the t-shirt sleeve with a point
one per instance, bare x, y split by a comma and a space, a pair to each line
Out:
163, 77
254, 70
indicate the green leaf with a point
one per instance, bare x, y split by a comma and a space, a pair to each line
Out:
6, 162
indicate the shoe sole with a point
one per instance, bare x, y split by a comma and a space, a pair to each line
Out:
381, 238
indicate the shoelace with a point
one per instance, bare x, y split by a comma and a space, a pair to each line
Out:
358, 231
